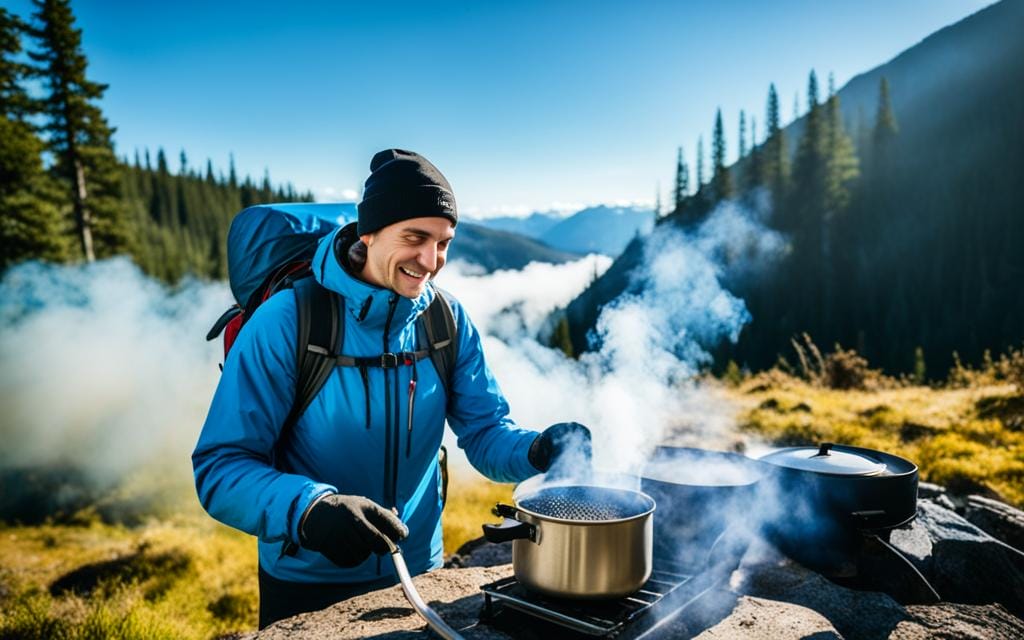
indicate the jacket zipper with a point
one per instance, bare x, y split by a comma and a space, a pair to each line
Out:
391, 429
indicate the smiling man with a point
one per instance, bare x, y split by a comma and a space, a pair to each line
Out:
359, 469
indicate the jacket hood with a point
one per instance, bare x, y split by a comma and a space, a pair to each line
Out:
365, 303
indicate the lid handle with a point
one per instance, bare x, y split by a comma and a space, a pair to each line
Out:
824, 448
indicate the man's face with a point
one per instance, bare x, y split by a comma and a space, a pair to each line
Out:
403, 256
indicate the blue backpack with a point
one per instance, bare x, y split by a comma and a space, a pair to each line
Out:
270, 248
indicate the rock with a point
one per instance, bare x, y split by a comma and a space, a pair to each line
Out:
757, 617
959, 622
929, 490
980, 580
480, 553
454, 594
966, 565
852, 614
996, 518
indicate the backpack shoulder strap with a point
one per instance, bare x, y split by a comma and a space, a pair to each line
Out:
442, 338
320, 335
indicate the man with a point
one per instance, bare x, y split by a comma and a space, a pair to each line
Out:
360, 467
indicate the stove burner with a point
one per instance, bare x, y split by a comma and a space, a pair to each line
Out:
591, 618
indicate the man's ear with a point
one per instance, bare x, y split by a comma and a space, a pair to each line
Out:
367, 239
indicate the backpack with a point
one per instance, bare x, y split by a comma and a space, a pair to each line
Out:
270, 248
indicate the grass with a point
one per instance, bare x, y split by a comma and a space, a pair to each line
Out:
173, 572
173, 576
968, 439
470, 500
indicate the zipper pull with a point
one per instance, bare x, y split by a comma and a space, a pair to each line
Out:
412, 401
365, 309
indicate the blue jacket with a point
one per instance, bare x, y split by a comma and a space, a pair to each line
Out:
331, 448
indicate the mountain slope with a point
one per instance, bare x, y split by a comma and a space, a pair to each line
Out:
600, 229
928, 253
533, 226
493, 250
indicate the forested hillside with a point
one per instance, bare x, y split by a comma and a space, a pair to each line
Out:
905, 221
66, 196
180, 222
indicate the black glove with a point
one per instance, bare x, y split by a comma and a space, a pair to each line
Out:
560, 439
345, 529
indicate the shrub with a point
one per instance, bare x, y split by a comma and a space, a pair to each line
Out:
845, 369
1011, 368
733, 375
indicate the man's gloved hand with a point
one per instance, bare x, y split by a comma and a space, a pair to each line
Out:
564, 438
346, 529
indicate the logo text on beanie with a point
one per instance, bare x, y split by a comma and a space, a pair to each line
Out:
444, 202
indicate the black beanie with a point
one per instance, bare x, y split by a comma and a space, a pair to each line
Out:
403, 185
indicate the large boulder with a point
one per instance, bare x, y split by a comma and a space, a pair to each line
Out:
980, 580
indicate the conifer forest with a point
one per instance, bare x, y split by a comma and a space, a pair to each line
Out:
905, 225
65, 196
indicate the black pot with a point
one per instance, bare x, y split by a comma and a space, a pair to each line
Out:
699, 494
820, 501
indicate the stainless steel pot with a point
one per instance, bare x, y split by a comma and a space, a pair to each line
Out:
577, 541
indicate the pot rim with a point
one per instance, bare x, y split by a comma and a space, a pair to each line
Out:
643, 496
895, 467
834, 463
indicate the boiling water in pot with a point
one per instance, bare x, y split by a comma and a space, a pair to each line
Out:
585, 504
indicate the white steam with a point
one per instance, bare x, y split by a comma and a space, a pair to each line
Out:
638, 387
103, 368
106, 369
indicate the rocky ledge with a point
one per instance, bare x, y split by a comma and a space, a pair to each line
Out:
963, 546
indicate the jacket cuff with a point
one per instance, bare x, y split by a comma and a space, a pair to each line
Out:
311, 494
521, 467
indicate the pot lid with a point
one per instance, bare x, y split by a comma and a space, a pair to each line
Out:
826, 459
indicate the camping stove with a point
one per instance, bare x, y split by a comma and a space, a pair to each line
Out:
671, 589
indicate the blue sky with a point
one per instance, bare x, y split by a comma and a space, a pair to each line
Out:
523, 105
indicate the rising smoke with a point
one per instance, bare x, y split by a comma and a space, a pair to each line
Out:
106, 370
102, 371
638, 386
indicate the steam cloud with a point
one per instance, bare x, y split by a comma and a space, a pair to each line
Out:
106, 369
638, 386
102, 368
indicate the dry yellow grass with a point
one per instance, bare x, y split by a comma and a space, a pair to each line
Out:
470, 500
969, 439
182, 575
189, 579
185, 576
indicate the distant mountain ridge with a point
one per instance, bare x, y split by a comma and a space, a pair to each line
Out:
599, 229
533, 226
492, 249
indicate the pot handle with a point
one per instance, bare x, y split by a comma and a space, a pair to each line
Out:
510, 528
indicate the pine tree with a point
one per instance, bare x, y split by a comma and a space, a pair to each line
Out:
682, 188
78, 135
809, 168
560, 338
743, 133
775, 157
700, 162
721, 178
31, 225
885, 119
842, 166
657, 201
